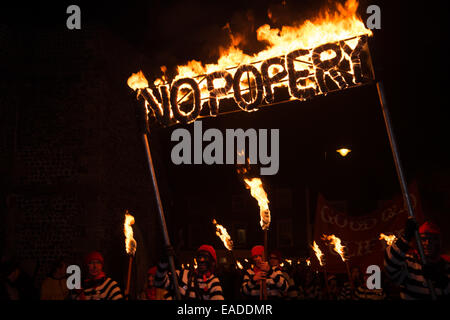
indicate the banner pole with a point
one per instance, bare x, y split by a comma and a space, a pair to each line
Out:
398, 165
141, 114
401, 176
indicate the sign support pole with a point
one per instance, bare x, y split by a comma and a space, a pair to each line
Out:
399, 167
141, 114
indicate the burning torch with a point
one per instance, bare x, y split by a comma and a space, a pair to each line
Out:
319, 256
339, 248
257, 191
130, 246
139, 83
389, 239
222, 233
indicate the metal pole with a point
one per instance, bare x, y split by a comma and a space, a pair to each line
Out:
141, 114
161, 217
400, 174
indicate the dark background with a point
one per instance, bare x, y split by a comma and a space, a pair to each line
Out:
72, 159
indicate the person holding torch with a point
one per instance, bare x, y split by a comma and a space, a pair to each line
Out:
406, 270
98, 286
194, 284
277, 286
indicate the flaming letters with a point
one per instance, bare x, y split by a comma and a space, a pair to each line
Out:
307, 73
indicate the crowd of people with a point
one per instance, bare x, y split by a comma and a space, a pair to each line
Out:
265, 277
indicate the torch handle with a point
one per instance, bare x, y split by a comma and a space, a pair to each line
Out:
263, 291
127, 289
327, 287
352, 285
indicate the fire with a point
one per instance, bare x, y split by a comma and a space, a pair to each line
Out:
302, 57
257, 191
318, 253
222, 233
130, 243
327, 27
308, 262
137, 81
239, 265
389, 239
338, 247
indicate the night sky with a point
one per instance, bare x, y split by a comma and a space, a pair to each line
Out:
409, 54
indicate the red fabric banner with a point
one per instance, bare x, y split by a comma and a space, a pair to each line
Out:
360, 235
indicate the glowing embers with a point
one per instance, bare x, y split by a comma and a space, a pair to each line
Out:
304, 72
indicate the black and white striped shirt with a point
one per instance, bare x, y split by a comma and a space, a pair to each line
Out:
405, 270
277, 285
192, 285
102, 289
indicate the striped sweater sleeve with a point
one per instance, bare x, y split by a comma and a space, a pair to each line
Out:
276, 280
108, 290
395, 261
248, 284
215, 290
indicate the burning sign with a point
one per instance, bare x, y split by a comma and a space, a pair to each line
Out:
318, 57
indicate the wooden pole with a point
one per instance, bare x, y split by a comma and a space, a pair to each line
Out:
127, 289
327, 287
263, 291
352, 285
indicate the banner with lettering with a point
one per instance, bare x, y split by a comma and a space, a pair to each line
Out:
360, 235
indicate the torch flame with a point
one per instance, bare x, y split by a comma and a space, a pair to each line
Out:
137, 81
338, 247
389, 239
130, 243
257, 191
318, 253
222, 233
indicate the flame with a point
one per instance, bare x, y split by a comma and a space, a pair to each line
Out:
338, 247
195, 263
318, 253
289, 261
389, 239
239, 265
137, 81
308, 262
331, 25
222, 233
130, 243
257, 191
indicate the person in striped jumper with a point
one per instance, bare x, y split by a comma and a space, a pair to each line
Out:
276, 283
194, 284
98, 286
275, 259
403, 266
